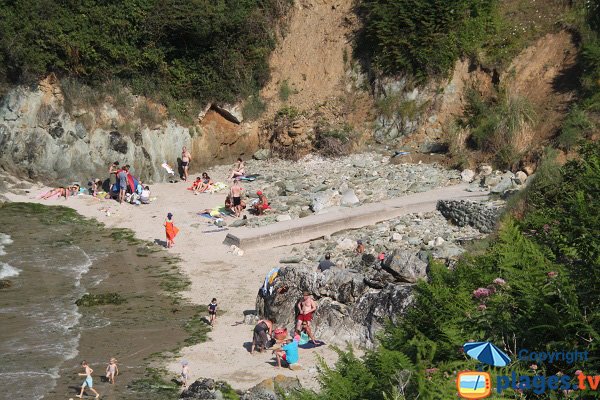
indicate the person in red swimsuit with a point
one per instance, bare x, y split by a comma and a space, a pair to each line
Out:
306, 308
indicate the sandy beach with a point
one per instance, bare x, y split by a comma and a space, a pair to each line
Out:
214, 271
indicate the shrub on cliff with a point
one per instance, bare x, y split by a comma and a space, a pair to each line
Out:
421, 37
207, 50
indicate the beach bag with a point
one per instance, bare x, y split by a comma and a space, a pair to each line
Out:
303, 338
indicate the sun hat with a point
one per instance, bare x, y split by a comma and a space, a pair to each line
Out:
258, 192
169, 215
184, 362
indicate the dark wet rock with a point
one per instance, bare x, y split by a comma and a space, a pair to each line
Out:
117, 142
201, 389
5, 283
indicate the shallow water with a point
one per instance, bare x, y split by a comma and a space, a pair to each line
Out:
52, 257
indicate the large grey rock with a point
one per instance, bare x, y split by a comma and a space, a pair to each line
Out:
262, 154
505, 183
485, 170
405, 267
324, 199
520, 177
351, 306
277, 388
467, 175
349, 198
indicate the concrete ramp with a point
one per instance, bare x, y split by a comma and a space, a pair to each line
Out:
315, 226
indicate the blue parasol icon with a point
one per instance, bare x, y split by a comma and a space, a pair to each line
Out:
487, 353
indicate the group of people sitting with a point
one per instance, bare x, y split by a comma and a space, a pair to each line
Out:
127, 188
285, 347
202, 184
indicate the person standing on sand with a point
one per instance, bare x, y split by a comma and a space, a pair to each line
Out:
170, 230
122, 179
212, 311
185, 374
112, 370
186, 157
88, 379
306, 308
236, 198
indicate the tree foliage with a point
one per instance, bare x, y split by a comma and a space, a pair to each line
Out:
201, 49
422, 37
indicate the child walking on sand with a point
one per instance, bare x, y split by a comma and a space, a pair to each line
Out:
212, 311
112, 370
185, 374
88, 379
170, 230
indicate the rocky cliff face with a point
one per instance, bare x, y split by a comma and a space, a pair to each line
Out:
40, 140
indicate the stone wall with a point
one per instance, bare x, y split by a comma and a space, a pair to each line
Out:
482, 216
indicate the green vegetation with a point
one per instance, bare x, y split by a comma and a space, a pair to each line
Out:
254, 107
154, 382
334, 141
496, 125
171, 50
100, 299
420, 37
285, 91
197, 329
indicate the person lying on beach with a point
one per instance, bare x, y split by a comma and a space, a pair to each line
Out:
58, 192
88, 380
262, 205
112, 370
239, 169
205, 184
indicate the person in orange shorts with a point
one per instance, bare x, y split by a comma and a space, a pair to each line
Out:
170, 230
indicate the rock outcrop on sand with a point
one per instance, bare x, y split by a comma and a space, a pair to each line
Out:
269, 389
352, 304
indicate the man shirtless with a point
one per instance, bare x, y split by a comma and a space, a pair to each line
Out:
186, 157
306, 308
236, 198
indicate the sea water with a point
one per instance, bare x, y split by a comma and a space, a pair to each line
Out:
49, 258
38, 315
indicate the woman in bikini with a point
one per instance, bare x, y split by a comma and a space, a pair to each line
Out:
238, 169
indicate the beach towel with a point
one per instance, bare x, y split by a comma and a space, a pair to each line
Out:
168, 168
269, 281
171, 230
217, 187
